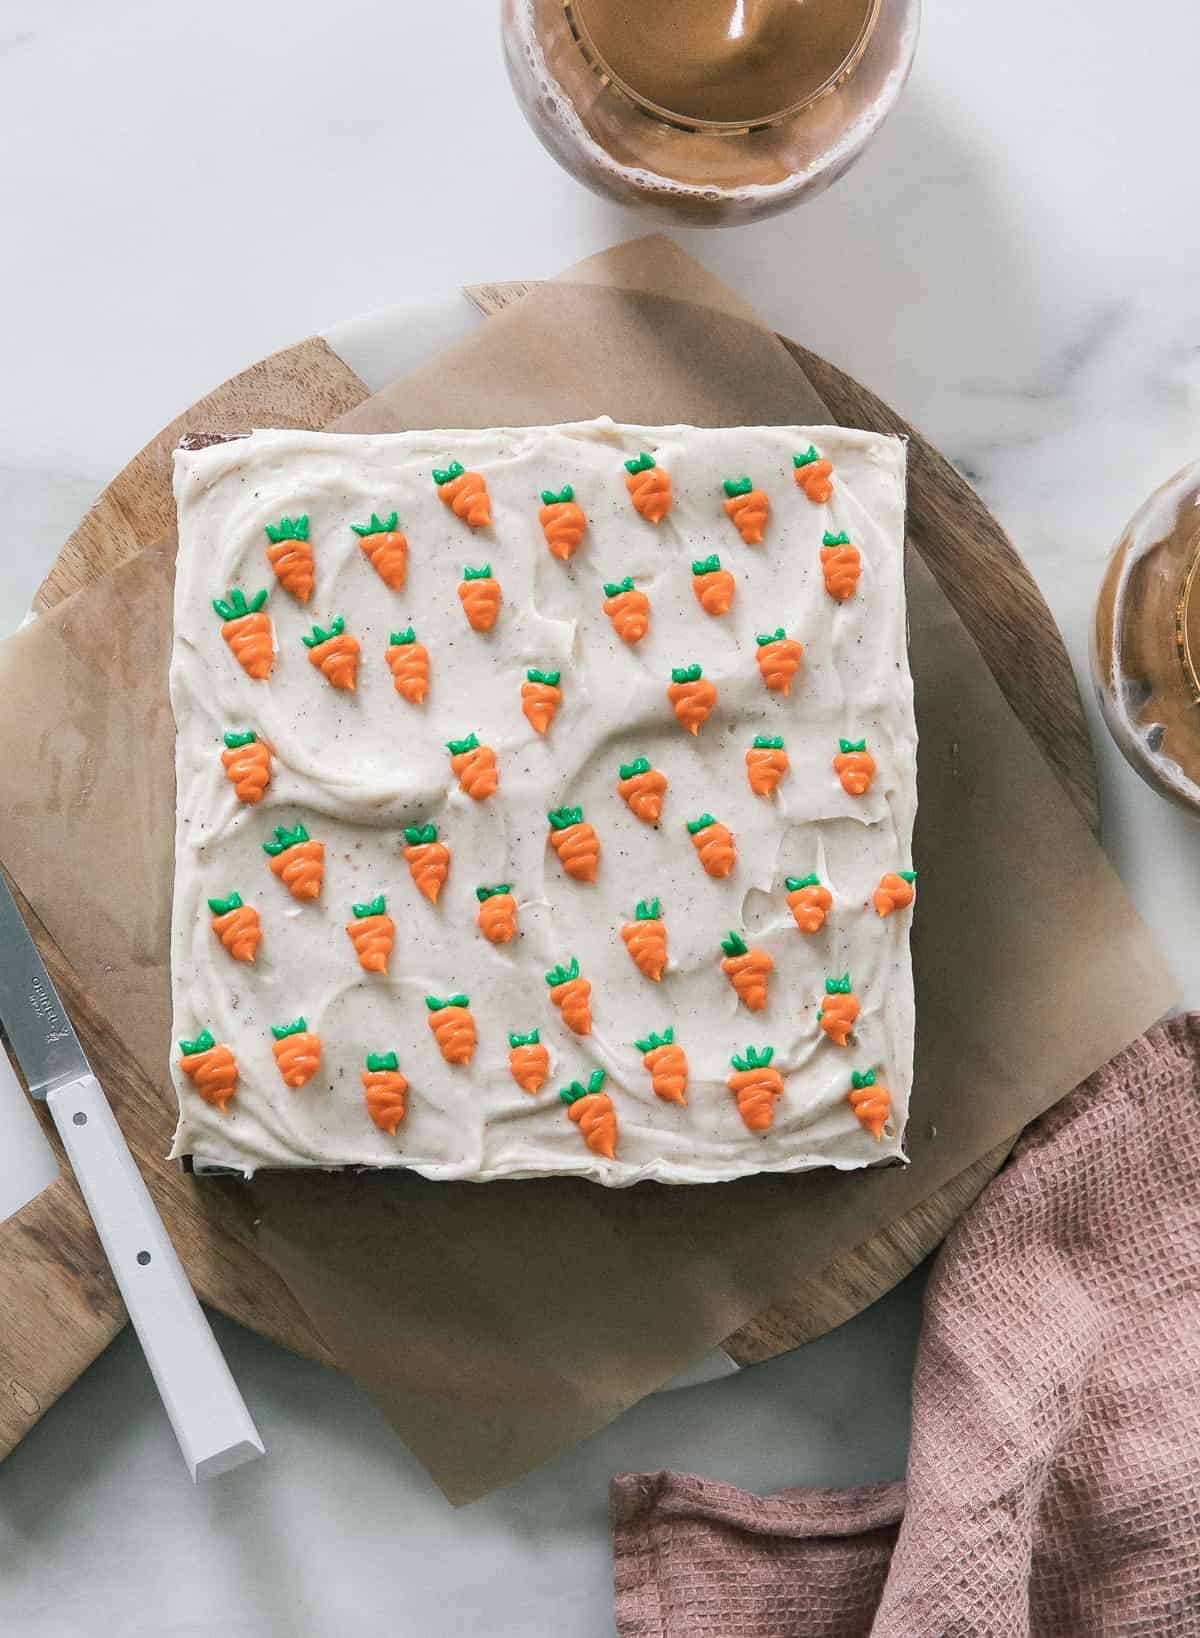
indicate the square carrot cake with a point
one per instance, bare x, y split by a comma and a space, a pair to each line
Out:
545, 802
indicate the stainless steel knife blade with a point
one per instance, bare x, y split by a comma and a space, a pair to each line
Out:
33, 1018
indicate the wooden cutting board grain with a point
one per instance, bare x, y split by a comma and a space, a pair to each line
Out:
59, 1306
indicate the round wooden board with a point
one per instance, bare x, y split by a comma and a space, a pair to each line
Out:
978, 568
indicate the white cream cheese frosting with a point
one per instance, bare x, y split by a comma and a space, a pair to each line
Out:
356, 767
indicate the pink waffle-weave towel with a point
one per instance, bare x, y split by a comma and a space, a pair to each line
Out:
1053, 1484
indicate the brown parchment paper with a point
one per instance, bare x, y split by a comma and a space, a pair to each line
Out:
498, 1324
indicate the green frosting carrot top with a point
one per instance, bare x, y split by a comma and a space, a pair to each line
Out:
237, 605
653, 1041
336, 628
386, 526
448, 474
737, 486
203, 1043
282, 1031
234, 740
288, 529
565, 494
640, 463
563, 975
377, 1061
753, 1058
577, 1090
285, 838
376, 907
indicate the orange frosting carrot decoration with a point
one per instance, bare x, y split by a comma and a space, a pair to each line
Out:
575, 842
571, 995
841, 564
779, 659
649, 487
714, 586
871, 1103
808, 901
297, 1052
540, 698
291, 556
497, 916
841, 1008
480, 596
384, 1088
211, 1068
692, 696
408, 662
528, 1062
641, 788
747, 971
236, 925
646, 940
714, 843
854, 766
385, 548
813, 474
766, 764
593, 1113
895, 891
453, 1027
627, 608
334, 653
475, 766
298, 862
465, 493
748, 507
428, 859
562, 521
247, 761
248, 632
667, 1064
372, 933
755, 1085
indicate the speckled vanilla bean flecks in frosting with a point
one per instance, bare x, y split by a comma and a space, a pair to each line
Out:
365, 774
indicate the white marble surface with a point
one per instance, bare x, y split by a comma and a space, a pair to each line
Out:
1013, 265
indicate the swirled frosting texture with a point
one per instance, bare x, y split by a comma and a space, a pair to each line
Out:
356, 767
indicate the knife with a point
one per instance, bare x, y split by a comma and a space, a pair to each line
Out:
207, 1412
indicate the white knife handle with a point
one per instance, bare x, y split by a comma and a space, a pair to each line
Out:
207, 1412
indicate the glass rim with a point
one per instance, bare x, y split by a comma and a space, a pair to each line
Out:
685, 122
